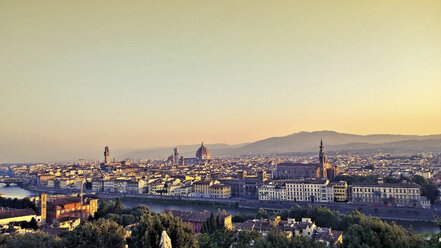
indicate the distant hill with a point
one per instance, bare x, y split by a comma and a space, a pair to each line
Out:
334, 141
406, 146
308, 142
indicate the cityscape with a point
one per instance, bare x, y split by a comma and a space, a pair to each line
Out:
66, 194
230, 124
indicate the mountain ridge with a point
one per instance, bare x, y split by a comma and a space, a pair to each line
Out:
308, 142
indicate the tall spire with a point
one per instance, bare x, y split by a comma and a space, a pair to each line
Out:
322, 156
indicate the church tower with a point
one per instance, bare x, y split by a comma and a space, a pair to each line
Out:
176, 156
322, 155
323, 161
43, 207
106, 155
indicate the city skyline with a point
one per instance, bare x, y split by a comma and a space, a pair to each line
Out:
75, 76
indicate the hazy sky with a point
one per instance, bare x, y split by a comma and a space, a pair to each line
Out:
77, 75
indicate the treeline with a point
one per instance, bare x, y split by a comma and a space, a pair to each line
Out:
107, 229
215, 235
116, 226
225, 239
428, 187
321, 216
212, 224
17, 203
359, 231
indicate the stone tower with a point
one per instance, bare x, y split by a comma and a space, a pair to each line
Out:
43, 207
176, 156
323, 161
322, 155
106, 155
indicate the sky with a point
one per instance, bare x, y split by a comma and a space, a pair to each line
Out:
78, 75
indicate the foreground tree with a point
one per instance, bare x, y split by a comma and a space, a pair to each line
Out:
373, 232
277, 238
148, 232
221, 238
34, 240
118, 206
101, 233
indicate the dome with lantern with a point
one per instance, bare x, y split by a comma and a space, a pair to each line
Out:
203, 153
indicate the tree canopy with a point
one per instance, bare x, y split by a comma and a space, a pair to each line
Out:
102, 233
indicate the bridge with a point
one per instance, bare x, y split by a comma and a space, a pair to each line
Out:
8, 181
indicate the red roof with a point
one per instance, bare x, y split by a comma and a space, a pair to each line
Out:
12, 213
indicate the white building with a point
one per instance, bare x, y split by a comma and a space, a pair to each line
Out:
309, 191
97, 186
120, 186
405, 194
297, 190
135, 186
108, 186
272, 192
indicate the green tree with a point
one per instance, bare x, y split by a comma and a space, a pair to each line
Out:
148, 232
33, 224
219, 239
262, 214
118, 205
212, 224
245, 238
373, 232
104, 208
420, 180
431, 192
17, 203
34, 240
101, 233
273, 238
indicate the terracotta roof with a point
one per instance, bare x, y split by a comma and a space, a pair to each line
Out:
16, 213
65, 200
189, 216
330, 236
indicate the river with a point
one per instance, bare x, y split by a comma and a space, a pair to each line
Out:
158, 206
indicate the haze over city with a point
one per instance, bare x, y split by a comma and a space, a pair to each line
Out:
78, 75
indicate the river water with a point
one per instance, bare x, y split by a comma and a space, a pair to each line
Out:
158, 206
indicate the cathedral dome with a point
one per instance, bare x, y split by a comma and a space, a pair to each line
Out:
203, 153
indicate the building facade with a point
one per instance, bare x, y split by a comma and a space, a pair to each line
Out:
220, 191
404, 194
340, 191
272, 192
202, 188
318, 190
71, 207
309, 191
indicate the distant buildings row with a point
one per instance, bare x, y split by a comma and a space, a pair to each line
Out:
401, 194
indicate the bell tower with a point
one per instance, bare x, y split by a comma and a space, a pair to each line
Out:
43, 207
323, 161
106, 155
322, 155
